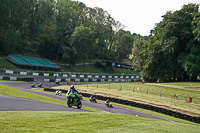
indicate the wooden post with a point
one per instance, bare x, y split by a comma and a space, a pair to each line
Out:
160, 93
120, 88
109, 86
133, 88
147, 91
174, 96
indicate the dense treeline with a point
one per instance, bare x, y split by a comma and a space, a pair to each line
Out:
62, 30
70, 31
172, 52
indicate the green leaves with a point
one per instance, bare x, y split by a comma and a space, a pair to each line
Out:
82, 40
172, 48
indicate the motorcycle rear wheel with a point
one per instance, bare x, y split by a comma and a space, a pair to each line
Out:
79, 105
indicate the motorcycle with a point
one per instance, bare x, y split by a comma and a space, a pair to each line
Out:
57, 82
40, 85
59, 92
73, 100
109, 104
93, 99
33, 85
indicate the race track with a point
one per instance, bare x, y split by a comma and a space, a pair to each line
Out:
10, 104
20, 104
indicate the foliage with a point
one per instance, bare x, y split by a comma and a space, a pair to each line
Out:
99, 64
138, 52
82, 42
69, 31
61, 30
173, 52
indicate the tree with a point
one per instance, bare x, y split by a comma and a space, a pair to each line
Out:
123, 45
169, 40
138, 52
82, 41
190, 58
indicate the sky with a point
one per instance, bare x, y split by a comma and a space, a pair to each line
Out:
138, 16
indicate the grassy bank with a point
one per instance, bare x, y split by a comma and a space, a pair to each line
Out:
78, 68
87, 122
161, 96
136, 109
59, 121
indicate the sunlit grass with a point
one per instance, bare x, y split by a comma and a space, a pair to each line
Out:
161, 96
60, 121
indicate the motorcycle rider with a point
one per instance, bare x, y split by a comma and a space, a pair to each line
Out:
40, 85
107, 102
73, 90
33, 85
93, 98
57, 82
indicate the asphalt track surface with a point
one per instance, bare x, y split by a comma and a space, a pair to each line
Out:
19, 104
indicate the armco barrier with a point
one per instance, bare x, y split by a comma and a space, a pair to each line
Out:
140, 105
91, 76
16, 78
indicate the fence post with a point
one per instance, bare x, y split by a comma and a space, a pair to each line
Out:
160, 93
147, 91
120, 88
174, 96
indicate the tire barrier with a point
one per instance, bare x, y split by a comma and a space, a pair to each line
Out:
140, 105
53, 90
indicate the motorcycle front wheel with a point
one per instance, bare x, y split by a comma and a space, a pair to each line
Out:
69, 102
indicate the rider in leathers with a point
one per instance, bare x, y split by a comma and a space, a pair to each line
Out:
73, 90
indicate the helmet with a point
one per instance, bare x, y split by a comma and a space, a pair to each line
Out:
72, 86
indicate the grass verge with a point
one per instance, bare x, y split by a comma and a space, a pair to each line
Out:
135, 108
160, 96
52, 122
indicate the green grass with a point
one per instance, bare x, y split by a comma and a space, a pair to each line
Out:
133, 108
182, 83
51, 122
10, 81
7, 65
59, 121
149, 94
80, 68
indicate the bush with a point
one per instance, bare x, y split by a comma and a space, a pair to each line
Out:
99, 64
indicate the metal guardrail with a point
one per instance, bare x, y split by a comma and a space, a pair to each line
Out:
69, 74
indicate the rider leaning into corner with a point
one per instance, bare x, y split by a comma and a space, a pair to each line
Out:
107, 102
72, 90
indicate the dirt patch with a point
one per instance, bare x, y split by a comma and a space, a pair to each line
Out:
180, 87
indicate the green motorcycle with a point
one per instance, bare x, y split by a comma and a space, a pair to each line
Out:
74, 100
